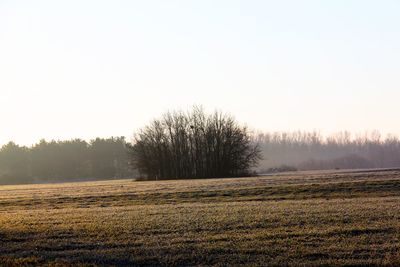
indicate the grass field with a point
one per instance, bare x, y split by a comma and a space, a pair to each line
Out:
299, 219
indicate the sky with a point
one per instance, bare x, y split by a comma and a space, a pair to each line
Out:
82, 69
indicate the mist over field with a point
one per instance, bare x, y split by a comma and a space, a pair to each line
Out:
312, 151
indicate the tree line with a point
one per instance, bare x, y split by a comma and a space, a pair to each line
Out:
64, 161
194, 144
312, 151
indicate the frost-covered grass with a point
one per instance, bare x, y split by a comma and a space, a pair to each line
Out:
307, 219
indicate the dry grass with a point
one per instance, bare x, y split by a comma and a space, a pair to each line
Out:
305, 219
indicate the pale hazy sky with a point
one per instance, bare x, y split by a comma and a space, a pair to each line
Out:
100, 68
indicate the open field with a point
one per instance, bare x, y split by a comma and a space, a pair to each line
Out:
297, 219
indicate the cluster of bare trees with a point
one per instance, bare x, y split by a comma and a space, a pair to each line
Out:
311, 150
194, 145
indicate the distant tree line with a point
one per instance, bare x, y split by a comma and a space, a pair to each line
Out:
64, 161
312, 151
194, 145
